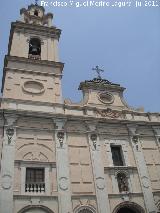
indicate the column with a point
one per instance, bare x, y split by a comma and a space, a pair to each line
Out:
142, 170
7, 166
62, 163
98, 171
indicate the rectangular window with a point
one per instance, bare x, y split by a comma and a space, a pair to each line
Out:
117, 156
35, 180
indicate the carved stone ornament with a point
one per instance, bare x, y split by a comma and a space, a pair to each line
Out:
60, 136
105, 97
94, 140
10, 133
63, 183
145, 182
135, 141
109, 113
6, 181
100, 183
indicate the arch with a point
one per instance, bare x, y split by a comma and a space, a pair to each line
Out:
84, 209
34, 46
35, 207
133, 207
36, 12
158, 205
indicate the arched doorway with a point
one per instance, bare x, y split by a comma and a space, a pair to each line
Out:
85, 211
128, 207
35, 209
126, 210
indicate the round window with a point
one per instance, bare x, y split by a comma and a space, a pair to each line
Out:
106, 98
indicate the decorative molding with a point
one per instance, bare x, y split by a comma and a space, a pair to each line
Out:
109, 113
85, 208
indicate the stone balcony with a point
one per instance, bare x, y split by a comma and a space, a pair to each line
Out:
36, 188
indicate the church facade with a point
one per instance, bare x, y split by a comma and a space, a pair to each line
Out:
96, 156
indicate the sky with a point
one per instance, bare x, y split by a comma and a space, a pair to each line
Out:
123, 41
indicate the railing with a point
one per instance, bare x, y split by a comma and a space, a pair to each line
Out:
35, 187
35, 57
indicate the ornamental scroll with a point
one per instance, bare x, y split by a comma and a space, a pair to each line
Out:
109, 113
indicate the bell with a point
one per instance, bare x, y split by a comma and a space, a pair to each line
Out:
34, 50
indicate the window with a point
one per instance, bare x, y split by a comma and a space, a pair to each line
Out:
122, 182
117, 156
35, 180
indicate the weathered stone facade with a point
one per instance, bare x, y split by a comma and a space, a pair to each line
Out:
74, 146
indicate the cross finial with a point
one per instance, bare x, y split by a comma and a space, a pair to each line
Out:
36, 2
98, 70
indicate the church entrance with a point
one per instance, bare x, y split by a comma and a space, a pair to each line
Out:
127, 210
35, 209
128, 207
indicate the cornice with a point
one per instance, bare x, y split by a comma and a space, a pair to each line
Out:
46, 31
32, 61
100, 84
77, 117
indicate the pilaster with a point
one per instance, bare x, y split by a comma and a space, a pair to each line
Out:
156, 130
98, 170
63, 179
7, 165
142, 169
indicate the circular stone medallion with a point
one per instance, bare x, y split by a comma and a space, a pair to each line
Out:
106, 98
33, 87
6, 181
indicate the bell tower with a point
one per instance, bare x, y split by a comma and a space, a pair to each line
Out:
32, 70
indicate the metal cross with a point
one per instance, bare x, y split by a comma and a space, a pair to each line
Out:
98, 70
36, 2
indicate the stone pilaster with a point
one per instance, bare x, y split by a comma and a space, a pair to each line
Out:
98, 171
62, 163
142, 170
156, 130
7, 165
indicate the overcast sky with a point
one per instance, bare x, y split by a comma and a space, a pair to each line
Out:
125, 42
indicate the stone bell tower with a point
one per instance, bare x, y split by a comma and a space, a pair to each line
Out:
32, 71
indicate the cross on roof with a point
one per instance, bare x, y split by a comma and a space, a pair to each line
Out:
98, 70
36, 2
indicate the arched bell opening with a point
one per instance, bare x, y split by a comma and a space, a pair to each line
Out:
35, 48
128, 207
126, 210
36, 12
